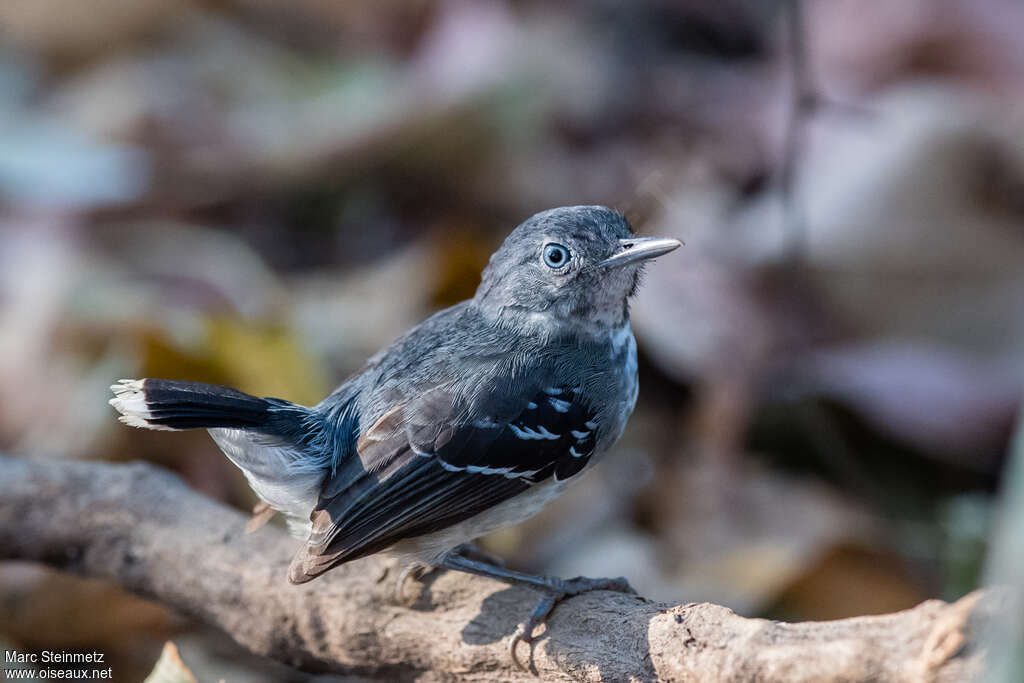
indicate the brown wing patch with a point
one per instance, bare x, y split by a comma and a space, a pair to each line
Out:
383, 429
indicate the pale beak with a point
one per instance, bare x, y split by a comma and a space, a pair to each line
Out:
640, 249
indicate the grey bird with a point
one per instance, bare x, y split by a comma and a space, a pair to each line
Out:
470, 422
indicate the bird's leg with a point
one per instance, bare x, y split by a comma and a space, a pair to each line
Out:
417, 570
555, 590
472, 551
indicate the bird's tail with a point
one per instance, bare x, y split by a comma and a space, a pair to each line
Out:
172, 405
279, 445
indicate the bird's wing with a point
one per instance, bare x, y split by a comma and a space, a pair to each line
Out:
421, 469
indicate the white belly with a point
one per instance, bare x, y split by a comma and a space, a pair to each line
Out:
275, 474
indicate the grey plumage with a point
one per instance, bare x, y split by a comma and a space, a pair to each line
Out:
471, 421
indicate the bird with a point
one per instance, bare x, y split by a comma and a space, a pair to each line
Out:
470, 422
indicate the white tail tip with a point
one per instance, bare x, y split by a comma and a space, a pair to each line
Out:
130, 400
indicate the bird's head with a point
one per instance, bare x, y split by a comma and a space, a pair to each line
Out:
565, 267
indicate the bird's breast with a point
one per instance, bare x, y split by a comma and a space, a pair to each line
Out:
615, 390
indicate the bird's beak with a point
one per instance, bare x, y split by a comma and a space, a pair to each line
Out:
640, 249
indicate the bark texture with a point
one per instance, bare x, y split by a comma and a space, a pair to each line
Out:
143, 528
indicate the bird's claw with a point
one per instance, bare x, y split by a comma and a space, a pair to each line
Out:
414, 571
566, 589
518, 637
524, 633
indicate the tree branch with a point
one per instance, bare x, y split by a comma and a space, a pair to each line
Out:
144, 529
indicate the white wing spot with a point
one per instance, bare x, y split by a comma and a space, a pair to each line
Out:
506, 472
531, 406
527, 433
419, 451
522, 433
590, 425
553, 391
545, 434
559, 405
579, 436
480, 469
573, 453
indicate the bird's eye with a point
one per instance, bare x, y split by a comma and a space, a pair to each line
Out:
555, 255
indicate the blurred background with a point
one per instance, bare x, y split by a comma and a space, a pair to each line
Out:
262, 194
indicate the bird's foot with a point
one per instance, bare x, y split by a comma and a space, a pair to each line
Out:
415, 571
553, 588
556, 591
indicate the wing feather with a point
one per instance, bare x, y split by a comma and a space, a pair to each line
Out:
420, 469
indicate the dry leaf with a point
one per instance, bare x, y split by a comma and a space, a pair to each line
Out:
169, 668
